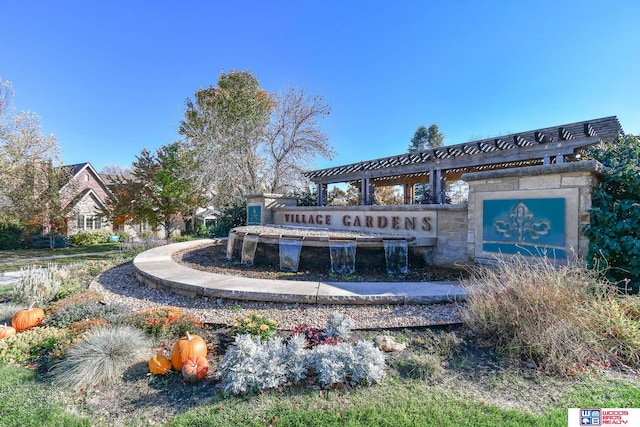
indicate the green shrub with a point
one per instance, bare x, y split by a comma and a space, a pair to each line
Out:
201, 230
614, 228
165, 321
63, 318
30, 344
230, 216
44, 241
559, 318
253, 324
91, 237
102, 357
87, 296
10, 236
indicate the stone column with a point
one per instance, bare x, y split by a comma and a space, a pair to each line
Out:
260, 207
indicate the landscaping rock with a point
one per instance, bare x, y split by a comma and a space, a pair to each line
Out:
388, 343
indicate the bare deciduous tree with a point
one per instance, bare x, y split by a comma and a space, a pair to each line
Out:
246, 141
116, 171
224, 127
294, 139
28, 161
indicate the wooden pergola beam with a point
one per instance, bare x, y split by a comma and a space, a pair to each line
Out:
495, 156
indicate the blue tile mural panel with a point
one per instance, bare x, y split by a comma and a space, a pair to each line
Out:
532, 227
254, 215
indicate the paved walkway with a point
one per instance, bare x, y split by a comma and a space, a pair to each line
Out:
156, 268
9, 277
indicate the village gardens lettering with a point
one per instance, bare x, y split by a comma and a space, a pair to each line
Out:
411, 223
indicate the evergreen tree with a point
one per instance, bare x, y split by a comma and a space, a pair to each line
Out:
423, 139
435, 138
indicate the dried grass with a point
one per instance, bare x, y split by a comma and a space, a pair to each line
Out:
554, 316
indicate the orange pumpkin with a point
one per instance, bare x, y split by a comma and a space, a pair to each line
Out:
187, 347
6, 331
27, 318
195, 368
159, 364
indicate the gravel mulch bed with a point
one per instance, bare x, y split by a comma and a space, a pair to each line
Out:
119, 286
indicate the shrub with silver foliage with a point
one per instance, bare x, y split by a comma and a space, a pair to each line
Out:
339, 326
38, 285
342, 363
332, 363
250, 365
368, 364
296, 358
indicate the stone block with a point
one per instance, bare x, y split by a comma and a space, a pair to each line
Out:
540, 182
577, 181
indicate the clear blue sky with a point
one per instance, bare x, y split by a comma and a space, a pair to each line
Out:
110, 77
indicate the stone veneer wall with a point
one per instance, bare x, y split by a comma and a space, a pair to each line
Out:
459, 230
451, 246
573, 181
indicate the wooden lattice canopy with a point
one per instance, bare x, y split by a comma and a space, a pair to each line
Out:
557, 144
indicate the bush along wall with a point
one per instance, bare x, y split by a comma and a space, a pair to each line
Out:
231, 216
44, 241
614, 229
10, 236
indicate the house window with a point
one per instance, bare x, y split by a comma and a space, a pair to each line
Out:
86, 222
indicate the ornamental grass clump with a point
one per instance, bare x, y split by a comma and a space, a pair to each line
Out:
559, 317
253, 323
102, 357
8, 310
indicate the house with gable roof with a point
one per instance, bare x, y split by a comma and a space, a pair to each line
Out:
84, 196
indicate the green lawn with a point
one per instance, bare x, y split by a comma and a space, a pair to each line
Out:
22, 258
36, 253
26, 399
